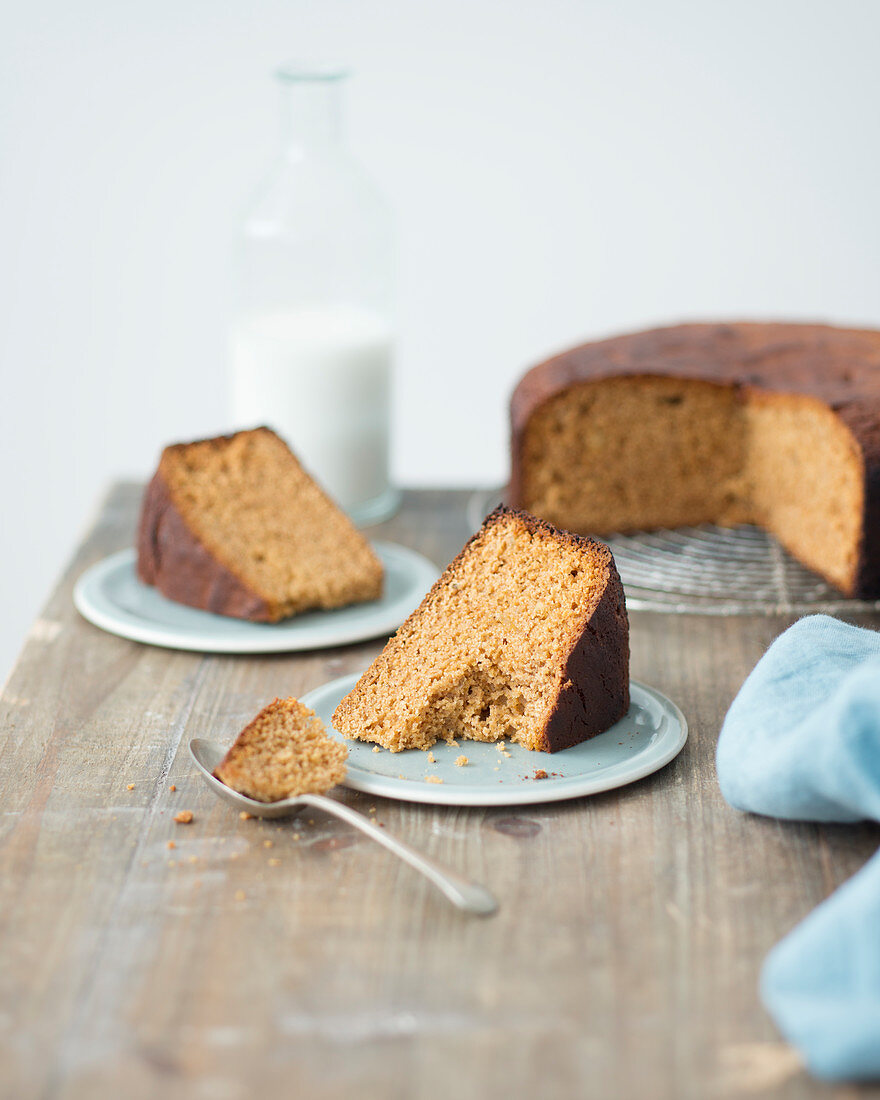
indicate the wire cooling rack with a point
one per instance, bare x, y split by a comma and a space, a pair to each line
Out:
708, 570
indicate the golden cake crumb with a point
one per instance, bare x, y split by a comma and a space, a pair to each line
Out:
184, 817
170, 844
173, 787
268, 843
282, 753
245, 816
431, 759
130, 787
376, 748
433, 779
460, 761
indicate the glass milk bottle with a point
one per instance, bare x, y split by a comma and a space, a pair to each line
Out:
312, 337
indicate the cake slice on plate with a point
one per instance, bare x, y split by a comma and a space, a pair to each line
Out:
236, 526
282, 753
524, 637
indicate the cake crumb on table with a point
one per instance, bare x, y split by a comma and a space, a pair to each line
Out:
173, 787
170, 844
431, 758
184, 817
245, 816
460, 761
540, 773
130, 787
433, 779
376, 748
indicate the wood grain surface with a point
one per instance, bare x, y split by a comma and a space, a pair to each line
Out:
302, 960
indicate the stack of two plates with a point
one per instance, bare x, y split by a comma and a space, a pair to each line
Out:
651, 734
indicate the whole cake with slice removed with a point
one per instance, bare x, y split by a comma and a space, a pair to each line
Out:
282, 753
524, 637
236, 526
771, 424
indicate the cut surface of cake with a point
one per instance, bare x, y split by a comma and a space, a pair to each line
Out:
524, 637
772, 424
236, 526
282, 753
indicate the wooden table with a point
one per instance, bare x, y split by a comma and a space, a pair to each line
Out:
623, 962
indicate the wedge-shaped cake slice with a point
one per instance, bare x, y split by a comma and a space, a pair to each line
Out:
235, 525
282, 753
524, 637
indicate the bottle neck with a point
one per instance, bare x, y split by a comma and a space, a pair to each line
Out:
311, 117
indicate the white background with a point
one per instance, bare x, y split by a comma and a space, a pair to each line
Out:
559, 170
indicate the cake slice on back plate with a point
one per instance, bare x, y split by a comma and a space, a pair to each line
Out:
523, 637
236, 526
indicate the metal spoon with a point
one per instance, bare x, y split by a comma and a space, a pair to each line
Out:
467, 895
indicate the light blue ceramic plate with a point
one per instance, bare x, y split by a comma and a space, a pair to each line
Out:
111, 596
649, 736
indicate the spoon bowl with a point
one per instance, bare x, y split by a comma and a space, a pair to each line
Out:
208, 754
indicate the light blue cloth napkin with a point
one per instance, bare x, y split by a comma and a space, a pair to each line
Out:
802, 741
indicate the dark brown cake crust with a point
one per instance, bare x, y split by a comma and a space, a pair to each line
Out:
595, 692
838, 366
170, 557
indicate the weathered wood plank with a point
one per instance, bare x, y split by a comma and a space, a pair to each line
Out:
623, 962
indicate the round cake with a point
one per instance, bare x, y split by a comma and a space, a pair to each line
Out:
772, 424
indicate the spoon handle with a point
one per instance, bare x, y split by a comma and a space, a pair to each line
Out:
467, 895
